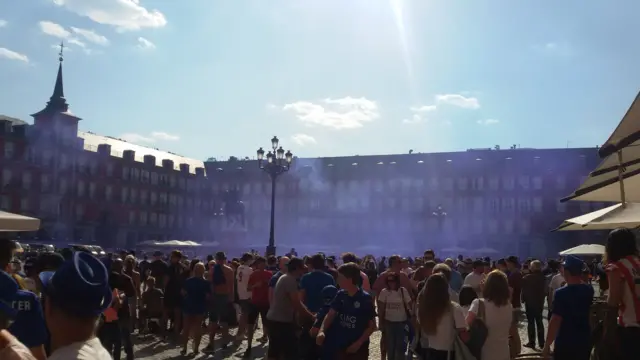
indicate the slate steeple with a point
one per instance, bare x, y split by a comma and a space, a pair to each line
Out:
57, 103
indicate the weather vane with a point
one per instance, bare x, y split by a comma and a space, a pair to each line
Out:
61, 51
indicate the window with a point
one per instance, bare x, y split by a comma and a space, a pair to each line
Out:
133, 195
110, 170
494, 183
524, 226
524, 205
108, 193
448, 184
79, 211
6, 177
508, 183
80, 188
125, 173
523, 181
537, 183
478, 204
26, 180
462, 183
9, 150
493, 226
5, 203
62, 186
124, 195
154, 178
508, 204
561, 182
154, 198
143, 218
433, 183
508, 226
24, 204
537, 204
45, 182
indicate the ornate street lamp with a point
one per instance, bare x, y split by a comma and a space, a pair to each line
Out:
440, 214
277, 163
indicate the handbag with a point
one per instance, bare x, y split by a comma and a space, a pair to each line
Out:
478, 332
459, 350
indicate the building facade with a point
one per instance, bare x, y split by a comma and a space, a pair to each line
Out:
505, 200
92, 188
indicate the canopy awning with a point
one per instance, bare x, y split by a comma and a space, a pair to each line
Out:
585, 249
620, 151
14, 222
605, 219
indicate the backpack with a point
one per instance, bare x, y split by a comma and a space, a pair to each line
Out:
478, 332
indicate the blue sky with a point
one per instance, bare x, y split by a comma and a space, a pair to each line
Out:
330, 77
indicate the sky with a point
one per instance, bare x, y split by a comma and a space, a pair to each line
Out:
214, 78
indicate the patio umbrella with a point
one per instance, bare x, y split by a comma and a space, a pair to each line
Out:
604, 219
585, 249
617, 178
15, 222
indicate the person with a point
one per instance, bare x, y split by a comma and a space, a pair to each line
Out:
328, 349
282, 269
10, 347
394, 304
623, 273
28, 326
498, 314
353, 313
466, 297
259, 286
446, 271
282, 313
476, 277
74, 297
438, 318
313, 282
176, 274
366, 286
455, 281
196, 292
569, 329
151, 303
244, 295
533, 294
130, 271
223, 288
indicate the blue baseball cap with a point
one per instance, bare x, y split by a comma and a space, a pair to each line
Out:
80, 286
574, 264
329, 292
8, 292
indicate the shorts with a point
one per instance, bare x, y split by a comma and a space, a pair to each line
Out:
255, 311
219, 311
245, 306
283, 342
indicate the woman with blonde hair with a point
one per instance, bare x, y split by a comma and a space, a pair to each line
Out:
196, 294
496, 312
439, 319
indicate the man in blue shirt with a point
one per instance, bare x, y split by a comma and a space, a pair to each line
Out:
312, 283
353, 313
569, 327
28, 326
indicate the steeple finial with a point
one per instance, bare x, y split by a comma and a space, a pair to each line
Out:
61, 53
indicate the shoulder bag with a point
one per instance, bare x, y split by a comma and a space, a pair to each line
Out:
459, 350
478, 332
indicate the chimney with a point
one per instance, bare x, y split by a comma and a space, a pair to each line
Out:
167, 164
149, 160
104, 149
129, 155
200, 171
184, 168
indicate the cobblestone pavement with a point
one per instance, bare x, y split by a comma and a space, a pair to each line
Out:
150, 347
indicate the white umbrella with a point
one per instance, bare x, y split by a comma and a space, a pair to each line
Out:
485, 251
15, 222
585, 249
611, 217
455, 249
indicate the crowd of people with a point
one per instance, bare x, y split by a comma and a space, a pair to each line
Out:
72, 305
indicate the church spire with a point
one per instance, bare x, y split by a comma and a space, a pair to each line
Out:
57, 103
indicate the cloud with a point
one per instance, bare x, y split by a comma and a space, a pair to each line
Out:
145, 44
12, 55
458, 100
91, 36
148, 139
159, 135
419, 114
303, 139
343, 113
487, 122
3, 23
122, 14
53, 29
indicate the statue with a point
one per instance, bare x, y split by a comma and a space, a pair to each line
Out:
233, 208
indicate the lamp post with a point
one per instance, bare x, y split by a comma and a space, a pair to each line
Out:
277, 163
440, 214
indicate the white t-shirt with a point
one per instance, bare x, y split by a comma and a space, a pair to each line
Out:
394, 309
556, 282
474, 280
453, 296
498, 322
443, 338
242, 279
86, 350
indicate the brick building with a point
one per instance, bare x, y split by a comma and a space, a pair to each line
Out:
94, 188
501, 199
102, 189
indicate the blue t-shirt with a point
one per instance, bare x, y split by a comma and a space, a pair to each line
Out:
29, 326
195, 299
456, 281
274, 279
573, 304
353, 314
313, 283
